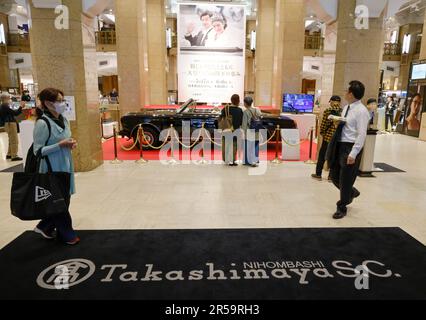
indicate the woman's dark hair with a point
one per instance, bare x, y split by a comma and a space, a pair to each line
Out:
357, 89
235, 99
219, 17
48, 94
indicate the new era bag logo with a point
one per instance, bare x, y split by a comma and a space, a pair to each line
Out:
41, 194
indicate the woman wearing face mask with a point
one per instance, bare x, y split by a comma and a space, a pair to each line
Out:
57, 148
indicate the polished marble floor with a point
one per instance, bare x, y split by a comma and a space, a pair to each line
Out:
130, 196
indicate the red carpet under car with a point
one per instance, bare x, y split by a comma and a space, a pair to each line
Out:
108, 151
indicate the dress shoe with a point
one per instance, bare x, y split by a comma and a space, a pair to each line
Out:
17, 159
355, 195
339, 214
8, 157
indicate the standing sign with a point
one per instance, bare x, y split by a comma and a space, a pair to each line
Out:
211, 51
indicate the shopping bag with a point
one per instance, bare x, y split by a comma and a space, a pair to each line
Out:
37, 196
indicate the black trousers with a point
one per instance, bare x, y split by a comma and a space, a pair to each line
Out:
321, 158
389, 118
344, 175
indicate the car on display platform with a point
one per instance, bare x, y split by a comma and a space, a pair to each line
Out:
154, 121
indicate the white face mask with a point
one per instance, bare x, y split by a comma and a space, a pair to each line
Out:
60, 107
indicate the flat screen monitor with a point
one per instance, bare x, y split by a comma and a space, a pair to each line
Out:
419, 72
298, 103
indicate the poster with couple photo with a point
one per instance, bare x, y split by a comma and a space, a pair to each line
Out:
212, 28
211, 51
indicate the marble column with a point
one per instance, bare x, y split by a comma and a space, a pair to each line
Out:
4, 62
293, 18
359, 52
279, 50
423, 47
66, 59
141, 53
329, 61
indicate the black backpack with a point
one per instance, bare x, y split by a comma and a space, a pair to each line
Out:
31, 163
256, 122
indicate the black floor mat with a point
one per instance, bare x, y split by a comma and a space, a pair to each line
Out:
383, 167
216, 264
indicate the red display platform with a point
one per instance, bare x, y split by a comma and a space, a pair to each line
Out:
108, 151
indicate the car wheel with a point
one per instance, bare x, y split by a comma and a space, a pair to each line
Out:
151, 137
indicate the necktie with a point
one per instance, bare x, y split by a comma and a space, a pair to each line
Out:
347, 111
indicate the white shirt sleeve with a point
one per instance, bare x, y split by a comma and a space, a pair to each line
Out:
362, 127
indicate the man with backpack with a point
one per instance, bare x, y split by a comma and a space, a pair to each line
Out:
252, 123
7, 118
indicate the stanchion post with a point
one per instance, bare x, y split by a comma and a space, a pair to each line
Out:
311, 142
277, 160
203, 160
172, 161
141, 137
115, 161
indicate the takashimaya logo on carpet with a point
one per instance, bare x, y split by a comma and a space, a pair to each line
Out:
70, 273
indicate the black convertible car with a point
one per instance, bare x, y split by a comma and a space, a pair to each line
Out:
156, 120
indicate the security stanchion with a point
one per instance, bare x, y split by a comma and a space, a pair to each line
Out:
141, 138
116, 160
172, 161
311, 143
277, 159
203, 161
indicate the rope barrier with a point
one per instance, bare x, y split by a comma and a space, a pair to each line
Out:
141, 160
192, 145
134, 144
209, 137
269, 140
301, 141
203, 129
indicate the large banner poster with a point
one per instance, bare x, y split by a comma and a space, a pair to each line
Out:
211, 51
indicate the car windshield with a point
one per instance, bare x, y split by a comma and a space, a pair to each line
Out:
185, 106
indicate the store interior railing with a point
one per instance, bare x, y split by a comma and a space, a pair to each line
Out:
18, 40
314, 42
106, 37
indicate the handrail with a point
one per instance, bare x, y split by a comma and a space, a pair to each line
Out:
392, 49
315, 42
18, 40
106, 37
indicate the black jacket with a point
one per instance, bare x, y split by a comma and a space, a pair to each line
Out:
8, 114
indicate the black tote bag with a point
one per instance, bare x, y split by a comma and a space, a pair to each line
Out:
37, 196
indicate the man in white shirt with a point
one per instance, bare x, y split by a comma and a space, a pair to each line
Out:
199, 40
350, 147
